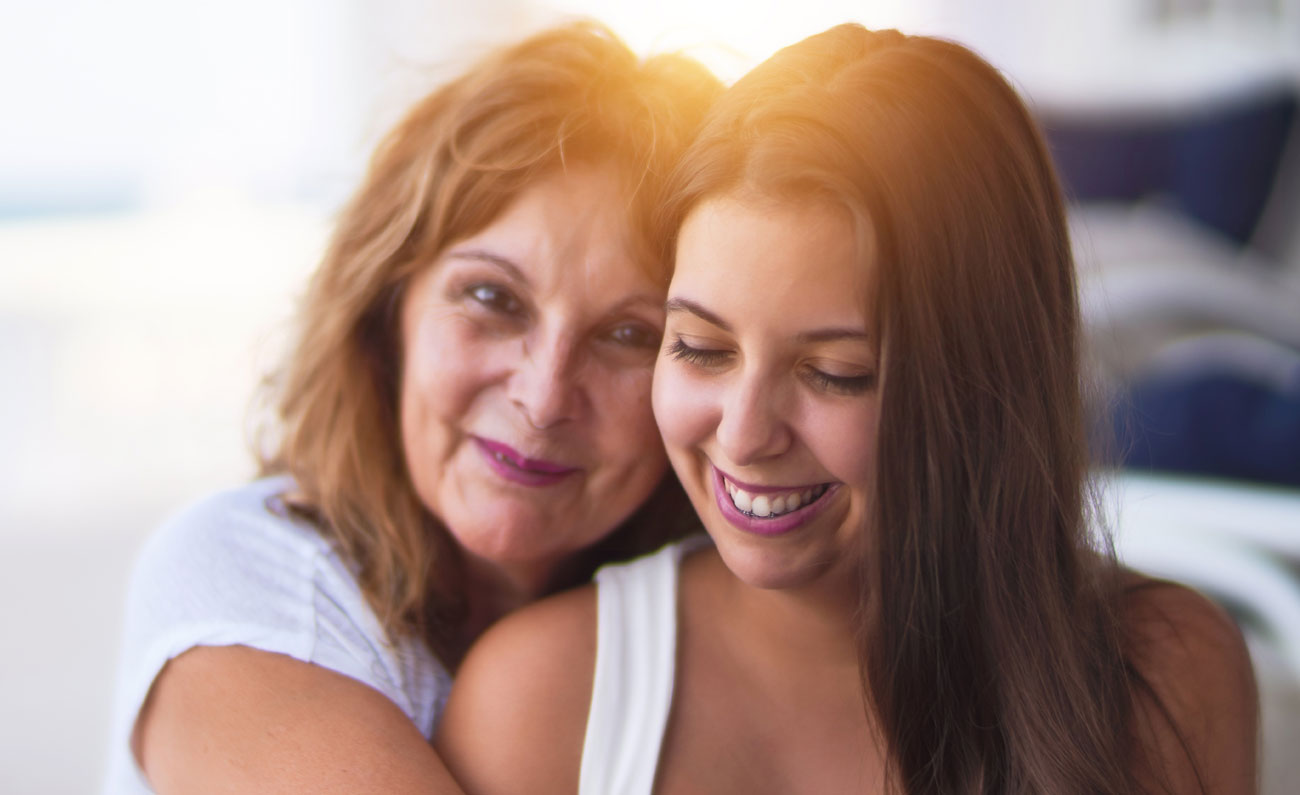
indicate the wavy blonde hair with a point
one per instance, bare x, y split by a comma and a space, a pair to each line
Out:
571, 94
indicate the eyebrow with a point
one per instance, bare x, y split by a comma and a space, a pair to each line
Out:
633, 302
479, 255
833, 334
687, 305
830, 334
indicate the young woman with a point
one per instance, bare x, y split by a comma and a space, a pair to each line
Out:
870, 387
465, 425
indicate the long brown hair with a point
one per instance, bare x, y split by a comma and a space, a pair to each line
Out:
990, 638
572, 94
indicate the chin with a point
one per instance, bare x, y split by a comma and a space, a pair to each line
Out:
764, 565
504, 536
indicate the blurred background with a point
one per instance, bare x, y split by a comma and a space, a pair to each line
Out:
168, 172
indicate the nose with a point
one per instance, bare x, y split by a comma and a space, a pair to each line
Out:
544, 385
754, 425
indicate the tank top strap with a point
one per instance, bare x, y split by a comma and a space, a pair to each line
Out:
632, 691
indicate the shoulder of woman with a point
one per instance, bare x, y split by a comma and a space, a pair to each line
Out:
249, 514
226, 642
1196, 706
205, 560
563, 627
525, 687
231, 569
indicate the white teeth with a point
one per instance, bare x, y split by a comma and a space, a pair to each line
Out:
765, 505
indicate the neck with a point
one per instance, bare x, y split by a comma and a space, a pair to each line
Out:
812, 626
493, 590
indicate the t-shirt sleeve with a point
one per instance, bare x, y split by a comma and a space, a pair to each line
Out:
233, 571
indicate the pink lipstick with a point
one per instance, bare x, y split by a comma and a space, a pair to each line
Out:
513, 466
779, 525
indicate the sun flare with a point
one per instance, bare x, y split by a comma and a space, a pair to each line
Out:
730, 36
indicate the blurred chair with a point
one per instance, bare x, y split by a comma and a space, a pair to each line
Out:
1224, 405
1215, 164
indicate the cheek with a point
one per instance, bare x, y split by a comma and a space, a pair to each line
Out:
625, 427
432, 390
685, 409
630, 393
844, 441
626, 442
445, 371
446, 364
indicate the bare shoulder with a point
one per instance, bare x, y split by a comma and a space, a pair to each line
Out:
1198, 716
237, 719
517, 715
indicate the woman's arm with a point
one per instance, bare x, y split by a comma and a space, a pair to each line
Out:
517, 716
1197, 724
236, 719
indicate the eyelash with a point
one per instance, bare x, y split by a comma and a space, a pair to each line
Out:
838, 384
702, 356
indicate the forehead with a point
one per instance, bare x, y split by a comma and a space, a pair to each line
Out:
570, 226
798, 261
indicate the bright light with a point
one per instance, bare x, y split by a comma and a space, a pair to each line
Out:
730, 36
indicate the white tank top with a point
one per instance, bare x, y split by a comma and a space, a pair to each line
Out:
636, 656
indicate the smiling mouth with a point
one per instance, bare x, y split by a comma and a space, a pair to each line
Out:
773, 504
505, 454
514, 467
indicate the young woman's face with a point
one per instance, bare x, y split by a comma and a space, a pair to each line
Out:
766, 386
527, 357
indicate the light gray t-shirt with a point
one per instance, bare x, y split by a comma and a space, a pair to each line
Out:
236, 569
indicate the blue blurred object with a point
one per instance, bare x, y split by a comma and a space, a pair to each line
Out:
1214, 164
1225, 405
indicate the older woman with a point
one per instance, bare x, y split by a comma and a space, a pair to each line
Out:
465, 425
870, 389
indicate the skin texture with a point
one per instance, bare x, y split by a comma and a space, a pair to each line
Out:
234, 719
539, 332
770, 377
767, 696
788, 396
517, 714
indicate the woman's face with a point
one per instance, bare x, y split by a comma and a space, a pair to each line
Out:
525, 396
766, 387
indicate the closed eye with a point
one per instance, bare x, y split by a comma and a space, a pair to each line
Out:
840, 384
705, 357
